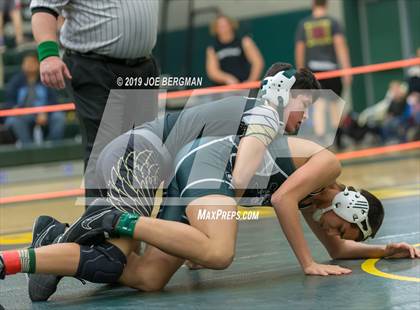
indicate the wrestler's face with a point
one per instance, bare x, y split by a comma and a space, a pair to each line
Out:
332, 224
296, 112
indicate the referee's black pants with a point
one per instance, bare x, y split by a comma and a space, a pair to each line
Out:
106, 110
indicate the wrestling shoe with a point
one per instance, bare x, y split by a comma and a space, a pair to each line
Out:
46, 230
98, 224
88, 230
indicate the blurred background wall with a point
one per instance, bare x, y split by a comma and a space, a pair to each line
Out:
377, 31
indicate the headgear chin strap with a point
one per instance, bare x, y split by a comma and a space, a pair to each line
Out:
276, 89
352, 207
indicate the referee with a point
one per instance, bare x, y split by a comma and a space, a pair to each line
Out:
105, 42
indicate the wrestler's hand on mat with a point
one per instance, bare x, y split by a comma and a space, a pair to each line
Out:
315, 269
53, 71
401, 250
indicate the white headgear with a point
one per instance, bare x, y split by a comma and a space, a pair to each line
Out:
352, 207
276, 89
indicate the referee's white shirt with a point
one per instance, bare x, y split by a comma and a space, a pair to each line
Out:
125, 29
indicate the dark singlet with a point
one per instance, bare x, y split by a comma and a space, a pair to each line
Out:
228, 116
211, 173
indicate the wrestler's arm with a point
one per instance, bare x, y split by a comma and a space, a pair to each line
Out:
263, 125
348, 249
321, 169
250, 154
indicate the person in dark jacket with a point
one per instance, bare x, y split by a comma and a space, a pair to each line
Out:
26, 90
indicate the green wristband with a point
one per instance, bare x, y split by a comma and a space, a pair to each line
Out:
32, 260
47, 49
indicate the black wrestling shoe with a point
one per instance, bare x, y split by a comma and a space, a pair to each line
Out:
88, 229
2, 269
46, 230
42, 286
96, 225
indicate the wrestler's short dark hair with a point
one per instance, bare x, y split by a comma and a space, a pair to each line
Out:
376, 211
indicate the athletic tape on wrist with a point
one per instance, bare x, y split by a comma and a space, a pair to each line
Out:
48, 49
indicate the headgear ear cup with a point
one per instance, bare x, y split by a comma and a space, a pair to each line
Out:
276, 89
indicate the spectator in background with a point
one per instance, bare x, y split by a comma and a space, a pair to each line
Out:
397, 117
232, 59
12, 9
26, 90
413, 100
321, 46
413, 133
414, 77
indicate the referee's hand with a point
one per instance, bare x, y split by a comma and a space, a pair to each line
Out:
53, 71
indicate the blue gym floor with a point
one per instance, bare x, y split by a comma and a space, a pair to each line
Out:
265, 273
